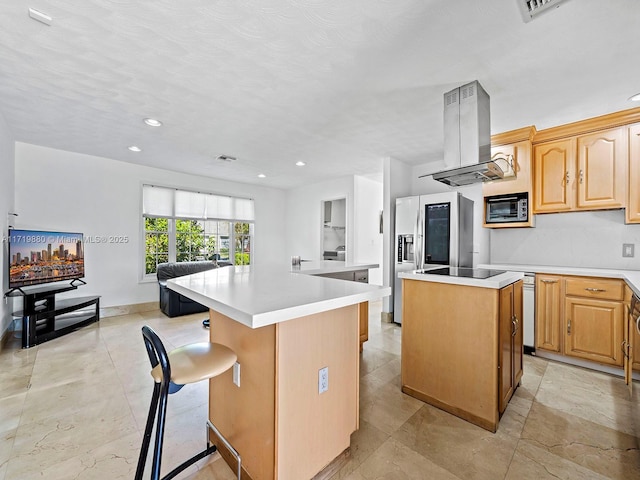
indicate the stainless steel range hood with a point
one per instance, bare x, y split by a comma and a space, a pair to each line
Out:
467, 137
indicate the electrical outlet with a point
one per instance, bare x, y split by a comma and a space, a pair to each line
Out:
236, 374
323, 380
627, 249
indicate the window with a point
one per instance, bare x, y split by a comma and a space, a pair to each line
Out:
182, 226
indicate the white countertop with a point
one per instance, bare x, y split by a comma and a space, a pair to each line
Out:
257, 297
497, 281
632, 277
331, 266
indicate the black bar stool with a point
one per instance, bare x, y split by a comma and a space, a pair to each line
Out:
187, 364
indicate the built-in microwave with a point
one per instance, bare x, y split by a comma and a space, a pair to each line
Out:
509, 208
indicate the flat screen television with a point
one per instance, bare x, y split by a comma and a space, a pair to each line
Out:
37, 257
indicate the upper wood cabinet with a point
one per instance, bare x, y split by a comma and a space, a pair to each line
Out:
554, 167
633, 187
516, 146
583, 172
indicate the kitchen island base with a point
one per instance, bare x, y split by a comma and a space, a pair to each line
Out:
462, 347
276, 419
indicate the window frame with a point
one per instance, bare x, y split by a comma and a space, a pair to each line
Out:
172, 232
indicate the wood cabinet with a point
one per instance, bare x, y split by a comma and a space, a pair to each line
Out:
633, 186
549, 305
356, 276
582, 172
516, 146
459, 351
511, 346
581, 317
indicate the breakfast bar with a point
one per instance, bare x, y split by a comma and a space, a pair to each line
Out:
291, 406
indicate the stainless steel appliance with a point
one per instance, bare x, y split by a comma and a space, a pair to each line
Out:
507, 208
529, 312
467, 138
438, 228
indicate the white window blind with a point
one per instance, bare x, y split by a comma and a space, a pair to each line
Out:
174, 203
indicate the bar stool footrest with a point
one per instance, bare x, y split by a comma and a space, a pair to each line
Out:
199, 456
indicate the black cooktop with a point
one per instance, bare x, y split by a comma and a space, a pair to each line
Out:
464, 272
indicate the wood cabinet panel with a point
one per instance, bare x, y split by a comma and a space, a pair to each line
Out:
510, 343
633, 186
549, 306
594, 330
554, 167
601, 172
600, 288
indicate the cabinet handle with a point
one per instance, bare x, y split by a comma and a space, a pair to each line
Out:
638, 324
567, 177
625, 350
581, 176
549, 281
569, 327
595, 290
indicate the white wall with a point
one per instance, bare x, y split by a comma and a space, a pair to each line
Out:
65, 191
7, 165
397, 177
304, 218
367, 238
573, 239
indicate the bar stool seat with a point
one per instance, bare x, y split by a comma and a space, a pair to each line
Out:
170, 372
196, 362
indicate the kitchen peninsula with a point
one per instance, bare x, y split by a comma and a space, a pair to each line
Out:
462, 340
285, 327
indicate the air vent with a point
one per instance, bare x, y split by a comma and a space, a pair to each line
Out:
532, 8
226, 158
451, 98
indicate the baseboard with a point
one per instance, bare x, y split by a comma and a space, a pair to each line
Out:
116, 311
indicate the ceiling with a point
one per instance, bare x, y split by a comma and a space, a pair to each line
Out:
337, 84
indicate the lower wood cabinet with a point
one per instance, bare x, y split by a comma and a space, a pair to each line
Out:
581, 317
511, 346
594, 330
549, 295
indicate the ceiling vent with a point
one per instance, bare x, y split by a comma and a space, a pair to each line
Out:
226, 158
532, 8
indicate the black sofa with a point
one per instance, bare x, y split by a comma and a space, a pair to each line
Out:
172, 303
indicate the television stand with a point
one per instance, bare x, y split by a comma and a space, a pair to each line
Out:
45, 318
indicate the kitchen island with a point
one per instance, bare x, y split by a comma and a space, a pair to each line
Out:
285, 327
462, 342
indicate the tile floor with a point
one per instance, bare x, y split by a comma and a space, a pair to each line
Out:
74, 407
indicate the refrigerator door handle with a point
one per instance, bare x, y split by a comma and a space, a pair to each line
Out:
417, 246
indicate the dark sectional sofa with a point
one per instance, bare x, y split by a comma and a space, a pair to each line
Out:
172, 303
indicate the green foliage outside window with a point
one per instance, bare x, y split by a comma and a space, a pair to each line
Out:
195, 240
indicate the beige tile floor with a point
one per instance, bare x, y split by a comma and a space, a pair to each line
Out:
74, 407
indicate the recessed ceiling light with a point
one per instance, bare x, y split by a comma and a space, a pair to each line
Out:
152, 122
134, 148
300, 163
262, 175
635, 98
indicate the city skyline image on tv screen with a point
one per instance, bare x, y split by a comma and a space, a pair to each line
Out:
37, 257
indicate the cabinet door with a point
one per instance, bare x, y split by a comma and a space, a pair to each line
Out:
548, 312
634, 340
601, 174
553, 181
633, 197
505, 355
518, 339
594, 330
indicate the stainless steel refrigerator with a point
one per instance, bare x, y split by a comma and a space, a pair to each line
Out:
431, 229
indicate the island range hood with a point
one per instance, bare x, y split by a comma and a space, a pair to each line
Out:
467, 138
